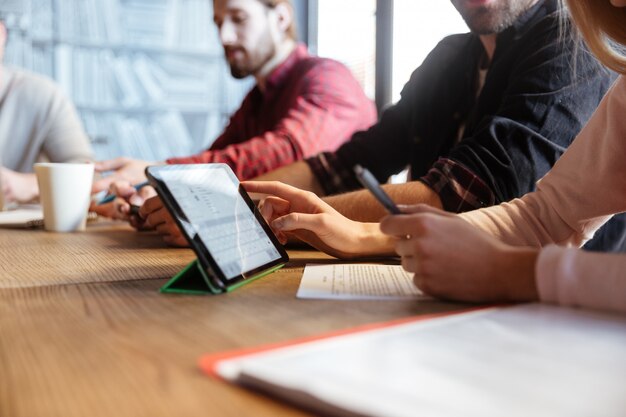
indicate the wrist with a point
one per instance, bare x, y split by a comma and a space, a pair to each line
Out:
373, 242
515, 269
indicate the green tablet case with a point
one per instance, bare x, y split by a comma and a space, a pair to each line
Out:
193, 280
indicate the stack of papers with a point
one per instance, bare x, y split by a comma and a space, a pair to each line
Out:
530, 360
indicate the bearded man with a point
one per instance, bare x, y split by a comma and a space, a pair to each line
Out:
301, 105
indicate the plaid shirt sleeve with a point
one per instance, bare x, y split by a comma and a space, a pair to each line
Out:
459, 188
251, 158
327, 108
333, 176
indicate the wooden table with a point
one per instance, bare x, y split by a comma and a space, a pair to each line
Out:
84, 332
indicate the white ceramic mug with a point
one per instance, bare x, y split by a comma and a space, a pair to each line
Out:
65, 191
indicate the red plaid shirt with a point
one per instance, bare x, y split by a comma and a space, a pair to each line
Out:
310, 105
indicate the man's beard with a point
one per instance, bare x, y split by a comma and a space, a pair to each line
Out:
493, 18
254, 58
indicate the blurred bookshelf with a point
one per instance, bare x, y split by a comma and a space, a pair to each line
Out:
148, 77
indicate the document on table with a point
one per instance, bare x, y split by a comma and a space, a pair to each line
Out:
358, 282
21, 218
28, 216
529, 360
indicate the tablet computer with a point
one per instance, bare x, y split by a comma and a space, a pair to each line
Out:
231, 239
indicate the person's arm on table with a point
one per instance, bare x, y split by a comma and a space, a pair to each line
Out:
322, 116
453, 260
290, 212
250, 158
363, 207
124, 170
293, 212
18, 187
298, 175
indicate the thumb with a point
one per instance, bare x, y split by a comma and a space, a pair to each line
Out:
273, 207
295, 221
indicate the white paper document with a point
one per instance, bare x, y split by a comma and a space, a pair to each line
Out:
21, 218
357, 282
530, 360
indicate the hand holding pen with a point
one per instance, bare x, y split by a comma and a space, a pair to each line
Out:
115, 187
123, 202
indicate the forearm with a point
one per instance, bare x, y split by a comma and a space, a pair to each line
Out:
250, 158
362, 206
18, 187
297, 174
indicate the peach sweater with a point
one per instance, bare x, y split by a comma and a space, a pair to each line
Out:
581, 192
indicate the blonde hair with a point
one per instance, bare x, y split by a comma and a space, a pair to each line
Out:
604, 28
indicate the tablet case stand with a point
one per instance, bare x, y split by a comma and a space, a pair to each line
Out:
193, 280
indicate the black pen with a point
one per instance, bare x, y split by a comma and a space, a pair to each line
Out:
369, 181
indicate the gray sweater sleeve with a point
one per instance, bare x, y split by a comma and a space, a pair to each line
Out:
65, 139
38, 122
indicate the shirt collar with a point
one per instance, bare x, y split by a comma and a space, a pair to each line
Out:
282, 71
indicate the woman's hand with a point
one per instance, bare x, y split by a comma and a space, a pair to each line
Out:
293, 212
454, 260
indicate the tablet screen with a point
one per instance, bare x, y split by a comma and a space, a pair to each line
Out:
215, 211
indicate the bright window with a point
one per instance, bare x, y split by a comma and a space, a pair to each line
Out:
347, 33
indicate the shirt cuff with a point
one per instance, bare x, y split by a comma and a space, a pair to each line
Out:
459, 188
551, 264
333, 176
575, 278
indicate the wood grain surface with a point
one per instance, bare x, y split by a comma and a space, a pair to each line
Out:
106, 251
120, 348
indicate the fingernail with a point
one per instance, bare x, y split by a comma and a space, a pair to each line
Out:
277, 224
